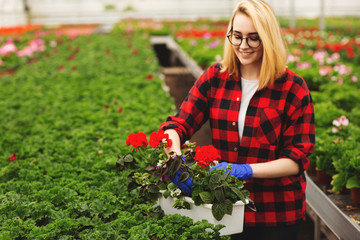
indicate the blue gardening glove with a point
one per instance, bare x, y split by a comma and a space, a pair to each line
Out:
241, 171
184, 186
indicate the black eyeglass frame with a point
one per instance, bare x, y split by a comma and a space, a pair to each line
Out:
242, 38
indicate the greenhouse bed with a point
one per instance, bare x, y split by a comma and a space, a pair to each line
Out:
331, 210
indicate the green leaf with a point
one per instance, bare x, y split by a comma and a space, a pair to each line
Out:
219, 195
353, 182
183, 177
228, 206
239, 194
187, 205
218, 210
166, 194
215, 179
176, 166
128, 158
206, 197
153, 188
338, 182
189, 162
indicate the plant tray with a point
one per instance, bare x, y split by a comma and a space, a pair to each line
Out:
233, 223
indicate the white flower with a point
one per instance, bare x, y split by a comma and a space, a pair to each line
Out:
160, 163
336, 123
334, 130
176, 192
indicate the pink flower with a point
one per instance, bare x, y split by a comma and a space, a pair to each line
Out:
26, 51
53, 43
353, 78
325, 70
214, 44
341, 121
8, 48
303, 65
207, 35
344, 121
342, 69
292, 58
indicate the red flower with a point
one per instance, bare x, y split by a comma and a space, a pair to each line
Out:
137, 140
72, 57
149, 77
120, 110
74, 68
61, 68
135, 51
157, 137
12, 157
106, 106
107, 51
205, 155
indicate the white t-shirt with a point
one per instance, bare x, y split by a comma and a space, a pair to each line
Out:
249, 88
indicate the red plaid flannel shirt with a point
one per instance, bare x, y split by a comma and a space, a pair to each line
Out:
279, 123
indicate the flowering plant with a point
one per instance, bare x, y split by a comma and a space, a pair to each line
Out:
216, 187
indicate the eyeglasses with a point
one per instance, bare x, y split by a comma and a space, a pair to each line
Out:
236, 40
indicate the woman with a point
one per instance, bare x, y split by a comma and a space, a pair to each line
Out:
262, 121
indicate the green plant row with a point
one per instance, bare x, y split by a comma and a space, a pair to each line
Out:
67, 117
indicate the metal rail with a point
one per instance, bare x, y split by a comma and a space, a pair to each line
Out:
340, 224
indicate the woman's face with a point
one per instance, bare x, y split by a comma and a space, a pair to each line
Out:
243, 27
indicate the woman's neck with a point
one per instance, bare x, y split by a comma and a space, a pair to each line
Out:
250, 72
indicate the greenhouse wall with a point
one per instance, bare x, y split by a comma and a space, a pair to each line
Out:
108, 11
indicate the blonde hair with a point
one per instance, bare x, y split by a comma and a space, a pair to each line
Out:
274, 47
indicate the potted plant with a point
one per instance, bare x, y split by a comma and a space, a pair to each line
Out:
217, 190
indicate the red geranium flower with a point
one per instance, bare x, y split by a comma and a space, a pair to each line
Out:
120, 110
12, 157
61, 68
149, 77
137, 140
135, 51
205, 155
157, 137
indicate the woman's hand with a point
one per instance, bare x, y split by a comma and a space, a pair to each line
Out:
241, 171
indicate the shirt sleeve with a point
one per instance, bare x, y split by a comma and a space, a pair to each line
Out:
194, 111
299, 135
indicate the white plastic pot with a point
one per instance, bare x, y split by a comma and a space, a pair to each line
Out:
233, 223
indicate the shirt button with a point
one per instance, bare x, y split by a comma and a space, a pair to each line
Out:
235, 149
234, 123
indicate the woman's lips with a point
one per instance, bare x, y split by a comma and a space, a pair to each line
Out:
246, 54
